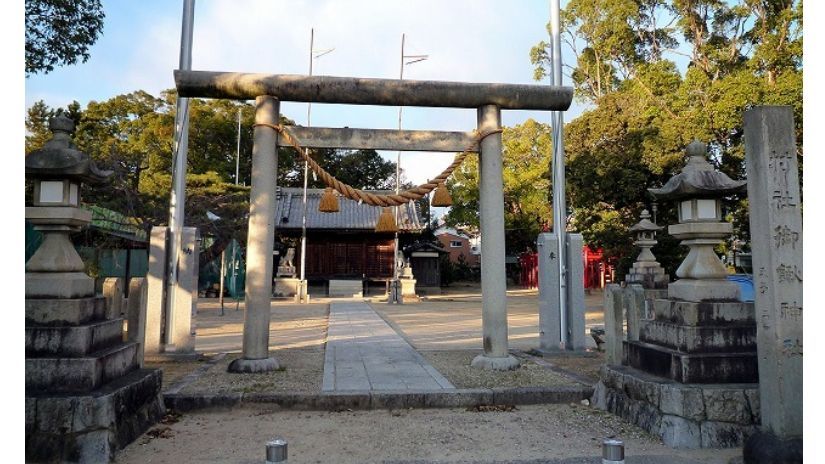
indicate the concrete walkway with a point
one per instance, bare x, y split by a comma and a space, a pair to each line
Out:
364, 353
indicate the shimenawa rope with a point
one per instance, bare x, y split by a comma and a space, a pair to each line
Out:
373, 199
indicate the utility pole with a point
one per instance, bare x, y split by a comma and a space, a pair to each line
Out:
302, 286
413, 59
178, 194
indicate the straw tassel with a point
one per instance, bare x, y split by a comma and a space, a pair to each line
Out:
441, 197
329, 202
386, 221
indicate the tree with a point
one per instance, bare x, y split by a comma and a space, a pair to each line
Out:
646, 108
132, 135
59, 32
527, 211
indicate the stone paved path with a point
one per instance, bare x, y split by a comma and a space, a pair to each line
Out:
364, 353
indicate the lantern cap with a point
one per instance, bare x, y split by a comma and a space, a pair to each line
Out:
698, 179
60, 159
645, 224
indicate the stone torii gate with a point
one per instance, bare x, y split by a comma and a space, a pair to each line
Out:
269, 90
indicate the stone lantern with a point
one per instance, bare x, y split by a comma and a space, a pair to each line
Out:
698, 189
646, 270
57, 171
86, 392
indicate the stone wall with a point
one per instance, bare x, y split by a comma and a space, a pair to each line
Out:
683, 415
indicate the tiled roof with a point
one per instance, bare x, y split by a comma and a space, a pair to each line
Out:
351, 215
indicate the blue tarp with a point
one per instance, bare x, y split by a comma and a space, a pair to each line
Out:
745, 282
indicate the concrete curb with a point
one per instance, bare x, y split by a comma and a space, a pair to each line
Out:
375, 399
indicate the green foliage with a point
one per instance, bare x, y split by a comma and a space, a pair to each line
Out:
132, 135
457, 272
526, 156
646, 110
362, 169
59, 32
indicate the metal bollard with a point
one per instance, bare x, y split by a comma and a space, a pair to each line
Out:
612, 451
276, 451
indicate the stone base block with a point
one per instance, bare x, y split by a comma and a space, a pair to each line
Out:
92, 427
700, 290
286, 286
703, 313
765, 447
59, 285
54, 311
699, 339
407, 288
648, 275
82, 374
693, 367
346, 288
252, 366
683, 415
506, 363
73, 341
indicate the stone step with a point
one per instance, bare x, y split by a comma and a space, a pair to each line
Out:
73, 375
73, 341
699, 339
61, 312
703, 313
693, 368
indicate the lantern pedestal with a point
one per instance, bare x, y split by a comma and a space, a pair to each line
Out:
702, 276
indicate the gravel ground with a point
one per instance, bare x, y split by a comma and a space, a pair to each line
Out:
173, 371
302, 372
442, 435
455, 365
587, 367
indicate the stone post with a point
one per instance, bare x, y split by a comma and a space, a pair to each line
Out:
613, 324
180, 327
156, 290
260, 242
136, 314
776, 234
576, 335
549, 318
549, 323
493, 277
113, 292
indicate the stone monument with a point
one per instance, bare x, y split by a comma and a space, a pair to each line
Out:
776, 232
690, 376
86, 396
551, 323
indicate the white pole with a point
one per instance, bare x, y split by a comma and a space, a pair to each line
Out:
301, 290
178, 194
559, 202
398, 189
416, 59
238, 152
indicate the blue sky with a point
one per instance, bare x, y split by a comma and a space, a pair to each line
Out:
466, 40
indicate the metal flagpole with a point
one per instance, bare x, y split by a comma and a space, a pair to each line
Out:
178, 194
415, 59
559, 201
302, 291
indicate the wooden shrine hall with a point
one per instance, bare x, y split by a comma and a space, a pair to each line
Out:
341, 245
